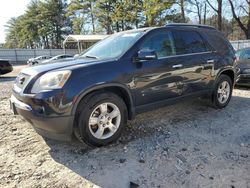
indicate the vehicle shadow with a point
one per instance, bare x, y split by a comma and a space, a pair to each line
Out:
242, 87
86, 161
92, 163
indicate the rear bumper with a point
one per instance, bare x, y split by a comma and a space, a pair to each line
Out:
58, 128
243, 79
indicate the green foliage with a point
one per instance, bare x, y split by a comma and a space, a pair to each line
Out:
82, 14
46, 21
41, 26
154, 11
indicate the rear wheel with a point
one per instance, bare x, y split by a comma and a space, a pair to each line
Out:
222, 92
101, 118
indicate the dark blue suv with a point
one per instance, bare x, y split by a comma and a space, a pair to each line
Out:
121, 76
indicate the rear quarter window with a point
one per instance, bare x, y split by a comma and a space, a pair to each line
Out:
218, 41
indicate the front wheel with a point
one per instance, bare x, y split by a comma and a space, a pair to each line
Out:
222, 92
101, 118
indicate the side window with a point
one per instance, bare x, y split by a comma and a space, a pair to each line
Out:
188, 42
162, 43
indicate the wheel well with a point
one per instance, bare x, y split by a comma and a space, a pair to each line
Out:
118, 91
229, 73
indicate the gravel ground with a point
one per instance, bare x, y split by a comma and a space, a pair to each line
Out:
185, 145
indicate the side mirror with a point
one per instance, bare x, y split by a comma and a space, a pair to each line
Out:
144, 55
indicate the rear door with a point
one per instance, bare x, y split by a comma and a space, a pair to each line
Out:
196, 60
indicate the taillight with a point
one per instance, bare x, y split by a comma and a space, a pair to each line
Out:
237, 58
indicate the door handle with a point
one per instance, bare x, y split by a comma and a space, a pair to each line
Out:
177, 66
210, 61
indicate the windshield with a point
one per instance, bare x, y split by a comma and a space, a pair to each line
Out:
113, 46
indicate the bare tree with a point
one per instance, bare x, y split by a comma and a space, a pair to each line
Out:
218, 10
181, 3
199, 7
244, 28
205, 13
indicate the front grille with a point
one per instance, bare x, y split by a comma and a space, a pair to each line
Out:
21, 80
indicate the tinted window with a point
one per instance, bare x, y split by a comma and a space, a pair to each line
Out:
162, 43
188, 42
219, 42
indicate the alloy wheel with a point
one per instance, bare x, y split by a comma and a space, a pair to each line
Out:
104, 121
223, 92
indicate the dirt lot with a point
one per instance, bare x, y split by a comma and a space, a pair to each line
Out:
185, 145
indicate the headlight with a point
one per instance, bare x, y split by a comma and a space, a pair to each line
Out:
51, 80
246, 71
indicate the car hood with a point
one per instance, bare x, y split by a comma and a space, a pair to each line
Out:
42, 68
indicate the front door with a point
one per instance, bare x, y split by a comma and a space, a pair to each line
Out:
161, 78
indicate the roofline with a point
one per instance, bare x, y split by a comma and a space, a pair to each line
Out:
142, 29
189, 25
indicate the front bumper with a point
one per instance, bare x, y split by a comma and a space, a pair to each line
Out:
243, 79
58, 127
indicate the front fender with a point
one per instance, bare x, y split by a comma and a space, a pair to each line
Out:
96, 87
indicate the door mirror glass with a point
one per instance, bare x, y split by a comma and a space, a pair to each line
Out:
146, 55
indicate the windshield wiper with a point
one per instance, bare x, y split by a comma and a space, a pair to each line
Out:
90, 56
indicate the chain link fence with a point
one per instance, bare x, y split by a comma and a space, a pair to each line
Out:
20, 56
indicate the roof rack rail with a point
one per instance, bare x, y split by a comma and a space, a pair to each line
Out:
189, 25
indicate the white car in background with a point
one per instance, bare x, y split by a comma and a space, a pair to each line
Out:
37, 60
59, 58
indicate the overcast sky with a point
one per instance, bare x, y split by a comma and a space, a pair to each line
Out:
9, 9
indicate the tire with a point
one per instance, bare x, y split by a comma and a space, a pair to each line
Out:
222, 92
100, 119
